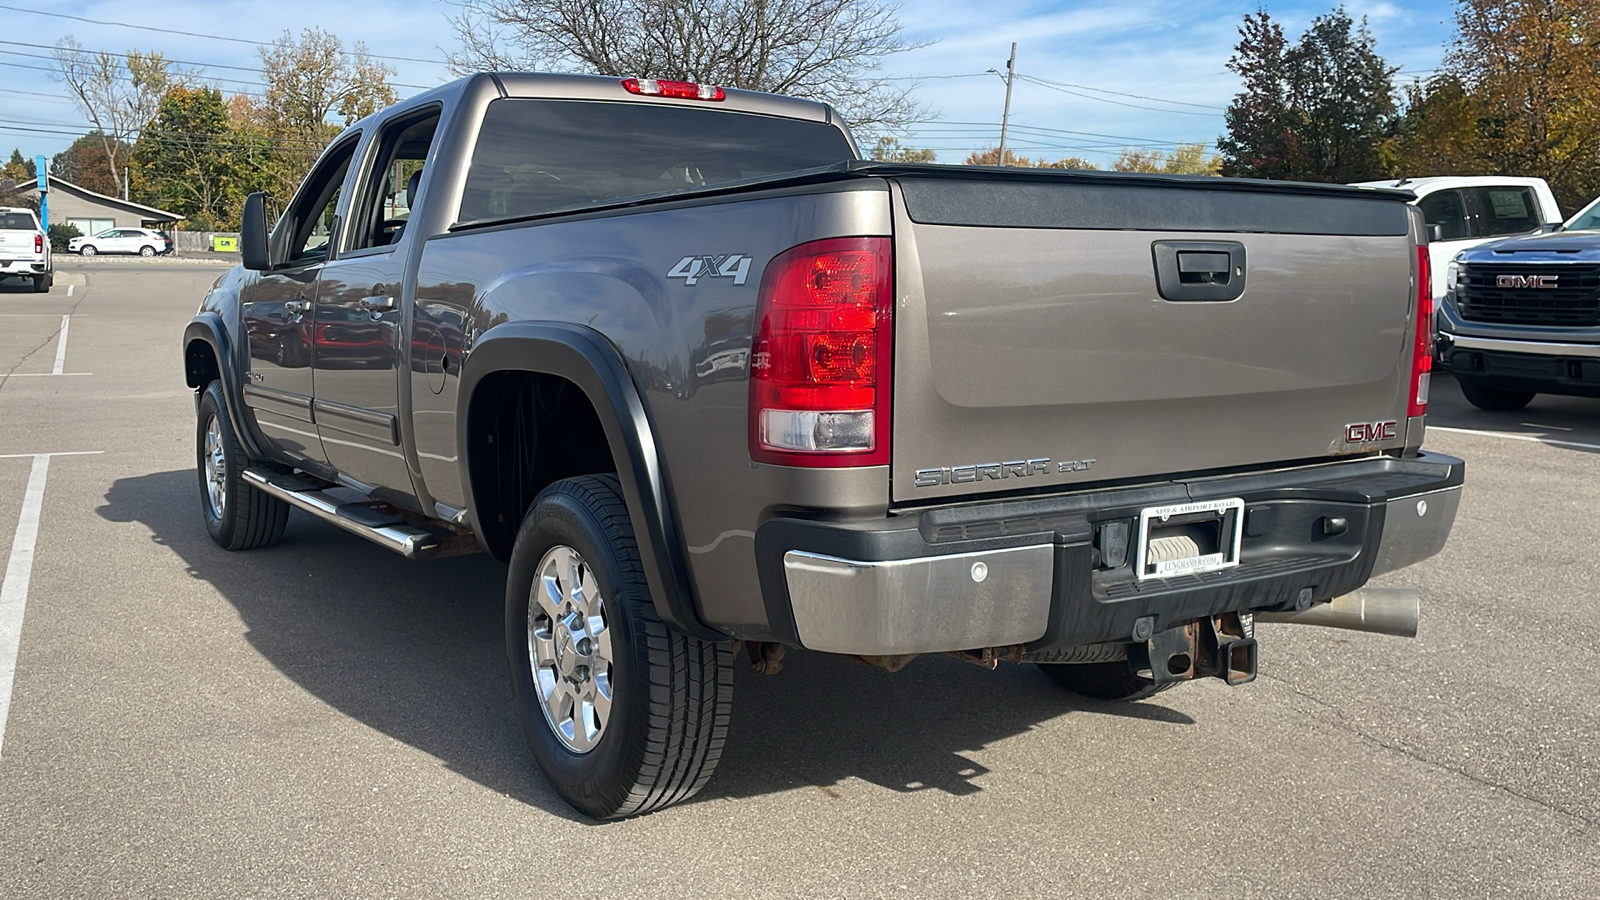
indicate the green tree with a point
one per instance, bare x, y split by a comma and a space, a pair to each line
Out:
1343, 93
888, 149
18, 168
1185, 159
187, 159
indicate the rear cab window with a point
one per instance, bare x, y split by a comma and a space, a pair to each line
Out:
542, 156
12, 221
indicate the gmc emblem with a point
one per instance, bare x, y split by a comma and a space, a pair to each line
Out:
1526, 281
1367, 432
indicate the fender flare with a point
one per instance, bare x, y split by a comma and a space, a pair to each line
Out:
584, 357
208, 328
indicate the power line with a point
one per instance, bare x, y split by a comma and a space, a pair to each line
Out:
177, 62
1047, 85
1085, 87
195, 34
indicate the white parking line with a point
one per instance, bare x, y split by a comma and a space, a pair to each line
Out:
69, 289
61, 344
19, 569
1516, 437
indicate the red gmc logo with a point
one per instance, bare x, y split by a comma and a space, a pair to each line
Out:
1367, 432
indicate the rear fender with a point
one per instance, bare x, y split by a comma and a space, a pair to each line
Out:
585, 358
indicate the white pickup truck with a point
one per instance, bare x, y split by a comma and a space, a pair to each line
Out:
24, 248
1474, 209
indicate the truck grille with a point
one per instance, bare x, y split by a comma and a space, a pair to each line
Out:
1576, 302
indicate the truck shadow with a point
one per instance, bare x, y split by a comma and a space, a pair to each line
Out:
415, 650
1575, 421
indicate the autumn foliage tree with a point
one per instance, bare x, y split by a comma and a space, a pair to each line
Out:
1317, 110
1519, 94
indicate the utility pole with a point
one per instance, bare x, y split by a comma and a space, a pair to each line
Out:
1005, 117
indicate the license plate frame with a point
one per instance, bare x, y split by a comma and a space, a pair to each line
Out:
1231, 513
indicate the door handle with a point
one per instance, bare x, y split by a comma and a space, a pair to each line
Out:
299, 307
376, 304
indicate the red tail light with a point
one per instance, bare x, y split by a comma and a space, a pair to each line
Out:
820, 361
1422, 349
38, 243
682, 90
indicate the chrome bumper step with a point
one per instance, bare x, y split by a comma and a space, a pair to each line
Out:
377, 526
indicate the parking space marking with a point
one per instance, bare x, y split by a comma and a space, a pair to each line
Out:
1516, 437
69, 289
61, 345
19, 569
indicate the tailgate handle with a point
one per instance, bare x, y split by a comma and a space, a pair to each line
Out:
1199, 270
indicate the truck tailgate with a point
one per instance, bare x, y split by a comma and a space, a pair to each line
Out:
1032, 325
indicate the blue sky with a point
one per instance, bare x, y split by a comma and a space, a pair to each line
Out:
1172, 50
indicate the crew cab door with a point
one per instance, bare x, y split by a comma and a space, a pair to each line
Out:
360, 334
277, 311
1476, 215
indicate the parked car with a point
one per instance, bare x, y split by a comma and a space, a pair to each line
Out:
1521, 316
25, 249
1472, 209
709, 382
143, 241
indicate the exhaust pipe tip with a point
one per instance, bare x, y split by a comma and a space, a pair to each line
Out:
1378, 610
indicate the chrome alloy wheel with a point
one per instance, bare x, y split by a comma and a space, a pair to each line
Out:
569, 646
216, 468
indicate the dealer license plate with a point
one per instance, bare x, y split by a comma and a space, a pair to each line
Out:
1189, 538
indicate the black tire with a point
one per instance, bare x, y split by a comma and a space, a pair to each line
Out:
671, 694
147, 250
1117, 681
41, 284
87, 250
1495, 399
247, 519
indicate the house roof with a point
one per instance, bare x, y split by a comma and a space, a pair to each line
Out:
148, 212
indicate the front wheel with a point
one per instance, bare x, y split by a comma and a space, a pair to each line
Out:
1495, 399
87, 250
147, 250
623, 715
238, 517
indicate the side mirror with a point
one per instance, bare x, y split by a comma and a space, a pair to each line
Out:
1435, 232
1550, 228
253, 234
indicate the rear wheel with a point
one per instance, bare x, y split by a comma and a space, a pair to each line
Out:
41, 284
147, 250
87, 250
1495, 399
622, 714
238, 517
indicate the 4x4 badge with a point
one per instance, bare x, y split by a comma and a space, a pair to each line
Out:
730, 265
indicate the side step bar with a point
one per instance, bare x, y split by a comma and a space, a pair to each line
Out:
376, 526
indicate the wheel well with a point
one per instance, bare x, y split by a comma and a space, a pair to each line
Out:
200, 364
525, 431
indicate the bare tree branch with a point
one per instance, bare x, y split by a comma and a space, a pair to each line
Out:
827, 50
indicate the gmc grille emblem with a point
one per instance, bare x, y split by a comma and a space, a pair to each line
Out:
1526, 281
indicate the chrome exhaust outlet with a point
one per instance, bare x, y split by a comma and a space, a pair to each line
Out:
1380, 610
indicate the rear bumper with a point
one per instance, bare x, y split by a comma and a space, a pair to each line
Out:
1039, 572
1543, 367
24, 267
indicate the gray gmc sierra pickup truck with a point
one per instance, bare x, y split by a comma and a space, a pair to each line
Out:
707, 381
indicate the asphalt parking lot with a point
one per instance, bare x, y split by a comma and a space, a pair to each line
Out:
323, 719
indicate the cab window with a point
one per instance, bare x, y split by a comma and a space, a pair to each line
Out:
1497, 211
313, 218
1446, 210
391, 182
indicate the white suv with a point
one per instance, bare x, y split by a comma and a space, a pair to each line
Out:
24, 249
142, 241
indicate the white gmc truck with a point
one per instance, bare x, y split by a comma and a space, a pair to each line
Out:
25, 249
